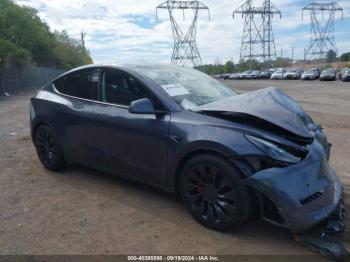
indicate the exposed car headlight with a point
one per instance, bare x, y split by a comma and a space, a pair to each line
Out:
273, 150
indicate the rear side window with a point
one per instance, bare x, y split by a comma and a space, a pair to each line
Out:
82, 84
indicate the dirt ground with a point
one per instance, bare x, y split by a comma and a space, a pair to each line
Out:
81, 211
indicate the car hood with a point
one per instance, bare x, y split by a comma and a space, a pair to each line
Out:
269, 104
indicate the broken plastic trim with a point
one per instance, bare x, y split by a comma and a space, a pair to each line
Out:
318, 238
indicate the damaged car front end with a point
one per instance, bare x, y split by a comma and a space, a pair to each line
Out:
293, 181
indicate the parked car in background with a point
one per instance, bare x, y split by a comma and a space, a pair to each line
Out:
292, 74
226, 76
328, 74
278, 75
317, 71
254, 75
265, 75
346, 75
245, 74
234, 76
342, 72
309, 75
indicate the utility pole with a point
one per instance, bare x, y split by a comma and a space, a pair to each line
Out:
293, 47
83, 34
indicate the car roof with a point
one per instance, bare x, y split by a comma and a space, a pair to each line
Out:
121, 67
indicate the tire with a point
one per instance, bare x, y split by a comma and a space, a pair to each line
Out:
213, 192
48, 148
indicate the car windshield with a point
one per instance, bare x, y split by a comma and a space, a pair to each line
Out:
292, 71
309, 72
329, 71
188, 87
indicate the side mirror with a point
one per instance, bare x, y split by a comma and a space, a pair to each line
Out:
144, 106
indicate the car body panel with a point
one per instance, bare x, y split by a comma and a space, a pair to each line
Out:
269, 104
118, 135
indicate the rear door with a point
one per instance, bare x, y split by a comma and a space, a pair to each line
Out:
130, 144
75, 115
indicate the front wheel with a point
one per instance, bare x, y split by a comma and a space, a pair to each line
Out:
213, 192
48, 148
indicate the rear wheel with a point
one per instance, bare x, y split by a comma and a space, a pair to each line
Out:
48, 148
213, 192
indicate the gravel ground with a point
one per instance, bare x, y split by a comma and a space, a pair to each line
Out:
81, 211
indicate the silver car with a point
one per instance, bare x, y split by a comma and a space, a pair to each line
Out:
309, 75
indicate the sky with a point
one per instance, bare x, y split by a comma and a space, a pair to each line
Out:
127, 31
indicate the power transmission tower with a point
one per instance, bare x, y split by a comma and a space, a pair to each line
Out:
258, 39
269, 10
185, 52
322, 14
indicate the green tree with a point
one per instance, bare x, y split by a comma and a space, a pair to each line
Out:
24, 38
282, 62
331, 56
229, 67
345, 57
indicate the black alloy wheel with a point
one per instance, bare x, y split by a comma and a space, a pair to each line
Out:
213, 192
48, 149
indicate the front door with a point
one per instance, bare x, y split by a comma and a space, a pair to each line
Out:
130, 144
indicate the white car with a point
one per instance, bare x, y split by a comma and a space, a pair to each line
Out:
292, 74
278, 75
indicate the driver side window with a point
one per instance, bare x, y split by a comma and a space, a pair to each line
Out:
122, 89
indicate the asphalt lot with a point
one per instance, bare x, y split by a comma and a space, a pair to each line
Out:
82, 211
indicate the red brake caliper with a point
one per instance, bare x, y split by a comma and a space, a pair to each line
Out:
200, 187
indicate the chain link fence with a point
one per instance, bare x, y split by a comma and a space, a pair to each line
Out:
14, 80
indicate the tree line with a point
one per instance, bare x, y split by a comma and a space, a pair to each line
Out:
25, 39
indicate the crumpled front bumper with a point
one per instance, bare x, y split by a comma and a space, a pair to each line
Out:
305, 194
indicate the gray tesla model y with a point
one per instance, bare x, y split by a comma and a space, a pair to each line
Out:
227, 155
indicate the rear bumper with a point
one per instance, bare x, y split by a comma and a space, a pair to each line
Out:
305, 194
